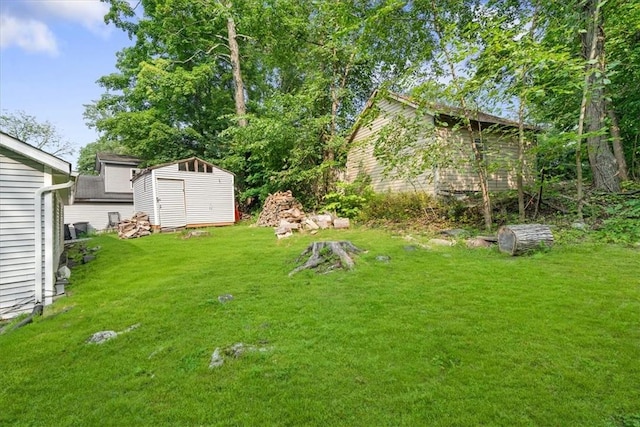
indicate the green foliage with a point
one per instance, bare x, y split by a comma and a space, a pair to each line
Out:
349, 200
623, 222
397, 206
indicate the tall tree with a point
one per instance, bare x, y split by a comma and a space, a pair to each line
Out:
43, 135
234, 56
603, 164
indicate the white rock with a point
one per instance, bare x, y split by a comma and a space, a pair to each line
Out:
341, 223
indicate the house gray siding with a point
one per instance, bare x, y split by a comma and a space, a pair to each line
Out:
117, 178
456, 174
19, 179
361, 159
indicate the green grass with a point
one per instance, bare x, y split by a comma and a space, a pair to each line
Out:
440, 337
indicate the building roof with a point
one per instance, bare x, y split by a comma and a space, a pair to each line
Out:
115, 159
33, 153
439, 110
90, 188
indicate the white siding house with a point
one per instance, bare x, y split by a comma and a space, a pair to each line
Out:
185, 193
440, 130
33, 187
95, 196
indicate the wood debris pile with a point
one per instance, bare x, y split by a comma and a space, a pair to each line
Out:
280, 206
137, 226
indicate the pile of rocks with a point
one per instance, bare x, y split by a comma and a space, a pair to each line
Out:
312, 223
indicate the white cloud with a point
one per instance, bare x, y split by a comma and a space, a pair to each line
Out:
88, 13
29, 34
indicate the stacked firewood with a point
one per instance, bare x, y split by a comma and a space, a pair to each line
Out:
137, 226
281, 206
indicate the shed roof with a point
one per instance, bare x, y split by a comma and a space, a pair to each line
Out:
14, 144
91, 188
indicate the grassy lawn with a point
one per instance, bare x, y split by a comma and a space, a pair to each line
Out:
448, 336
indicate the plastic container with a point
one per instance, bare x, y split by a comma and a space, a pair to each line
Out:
82, 229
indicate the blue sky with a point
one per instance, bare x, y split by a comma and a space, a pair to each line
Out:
51, 54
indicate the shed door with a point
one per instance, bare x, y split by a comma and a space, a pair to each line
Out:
171, 203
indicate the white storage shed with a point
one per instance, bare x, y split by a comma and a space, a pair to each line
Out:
186, 193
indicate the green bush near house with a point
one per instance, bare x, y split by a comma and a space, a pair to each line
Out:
441, 336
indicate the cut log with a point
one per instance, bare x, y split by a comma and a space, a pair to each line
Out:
138, 226
281, 205
518, 239
329, 255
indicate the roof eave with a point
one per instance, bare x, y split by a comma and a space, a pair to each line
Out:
36, 154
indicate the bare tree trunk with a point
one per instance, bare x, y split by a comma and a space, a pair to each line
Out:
616, 141
241, 109
522, 143
520, 166
602, 161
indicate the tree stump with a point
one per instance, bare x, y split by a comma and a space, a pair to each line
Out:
331, 255
518, 239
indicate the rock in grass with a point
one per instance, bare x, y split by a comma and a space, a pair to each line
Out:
225, 298
216, 359
101, 337
383, 258
455, 232
478, 243
441, 242
235, 351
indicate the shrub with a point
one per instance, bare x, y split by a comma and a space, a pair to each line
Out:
399, 207
349, 199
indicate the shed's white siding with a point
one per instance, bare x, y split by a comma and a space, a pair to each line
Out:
143, 196
19, 179
208, 197
96, 214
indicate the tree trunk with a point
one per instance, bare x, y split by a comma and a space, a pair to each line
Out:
518, 239
329, 254
520, 166
602, 161
616, 141
241, 109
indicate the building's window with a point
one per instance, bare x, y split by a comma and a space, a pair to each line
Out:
133, 172
195, 165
